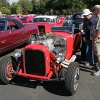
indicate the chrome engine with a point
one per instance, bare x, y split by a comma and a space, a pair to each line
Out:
55, 43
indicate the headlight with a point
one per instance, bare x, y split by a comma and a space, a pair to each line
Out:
60, 57
18, 53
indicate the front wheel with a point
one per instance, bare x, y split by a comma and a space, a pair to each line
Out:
72, 78
7, 67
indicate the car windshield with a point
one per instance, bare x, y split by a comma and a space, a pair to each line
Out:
42, 20
67, 18
2, 25
63, 29
78, 16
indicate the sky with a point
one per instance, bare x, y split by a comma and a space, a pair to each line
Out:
10, 1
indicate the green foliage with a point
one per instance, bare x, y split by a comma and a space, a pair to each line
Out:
39, 6
19, 10
5, 10
4, 3
48, 6
13, 7
26, 6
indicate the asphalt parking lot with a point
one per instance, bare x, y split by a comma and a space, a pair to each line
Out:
23, 89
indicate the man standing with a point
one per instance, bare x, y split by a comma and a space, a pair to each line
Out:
96, 40
89, 29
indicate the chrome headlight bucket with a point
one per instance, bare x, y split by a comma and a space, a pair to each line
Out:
60, 57
17, 53
60, 48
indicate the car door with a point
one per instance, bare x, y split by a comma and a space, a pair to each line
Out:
5, 44
16, 34
3, 36
11, 38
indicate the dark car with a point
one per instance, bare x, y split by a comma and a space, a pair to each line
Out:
76, 19
67, 21
14, 33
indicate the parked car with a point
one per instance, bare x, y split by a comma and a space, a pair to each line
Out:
61, 18
13, 33
51, 57
26, 19
77, 19
67, 21
47, 20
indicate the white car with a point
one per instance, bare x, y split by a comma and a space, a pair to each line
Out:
45, 18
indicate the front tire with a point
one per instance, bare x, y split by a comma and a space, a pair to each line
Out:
72, 78
6, 66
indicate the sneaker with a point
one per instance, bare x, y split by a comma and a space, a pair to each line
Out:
96, 73
96, 68
87, 64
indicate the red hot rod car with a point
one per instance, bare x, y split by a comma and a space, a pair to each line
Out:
13, 33
51, 57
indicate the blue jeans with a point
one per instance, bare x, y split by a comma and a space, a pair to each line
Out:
90, 58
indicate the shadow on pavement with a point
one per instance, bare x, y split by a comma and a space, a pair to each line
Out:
56, 87
82, 65
53, 87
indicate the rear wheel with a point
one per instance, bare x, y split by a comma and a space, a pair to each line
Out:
72, 78
7, 67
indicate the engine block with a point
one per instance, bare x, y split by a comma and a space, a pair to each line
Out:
56, 44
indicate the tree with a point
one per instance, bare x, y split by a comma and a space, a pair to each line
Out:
26, 6
4, 10
70, 6
48, 6
19, 10
90, 3
13, 7
39, 6
4, 3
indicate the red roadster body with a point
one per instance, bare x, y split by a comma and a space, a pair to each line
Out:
13, 33
50, 57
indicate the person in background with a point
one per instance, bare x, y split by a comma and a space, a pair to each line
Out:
89, 28
96, 39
